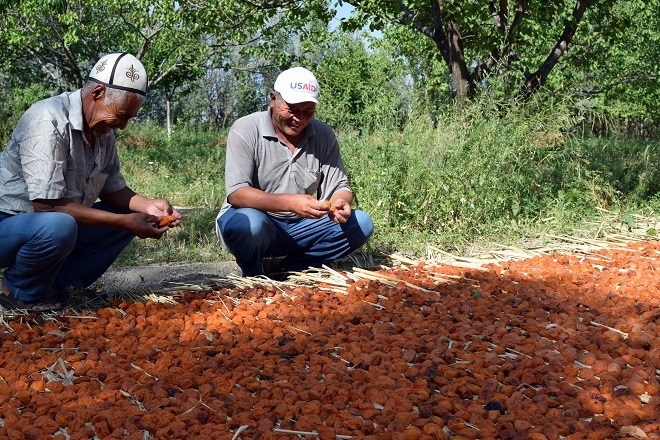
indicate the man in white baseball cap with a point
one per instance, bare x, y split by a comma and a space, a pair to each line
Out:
66, 212
288, 195
297, 85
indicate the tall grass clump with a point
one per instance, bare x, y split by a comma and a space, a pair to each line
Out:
484, 173
187, 169
630, 166
476, 172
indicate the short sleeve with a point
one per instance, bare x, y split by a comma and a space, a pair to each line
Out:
44, 151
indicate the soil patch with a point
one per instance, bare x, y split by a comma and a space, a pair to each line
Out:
156, 278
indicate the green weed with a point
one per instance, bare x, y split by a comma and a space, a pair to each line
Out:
487, 173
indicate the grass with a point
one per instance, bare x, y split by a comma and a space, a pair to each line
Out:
484, 175
188, 170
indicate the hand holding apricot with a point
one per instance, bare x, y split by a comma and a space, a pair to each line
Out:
166, 220
328, 204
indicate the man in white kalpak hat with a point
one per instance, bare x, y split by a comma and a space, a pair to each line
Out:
287, 193
65, 210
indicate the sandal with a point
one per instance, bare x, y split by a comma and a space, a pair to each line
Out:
10, 302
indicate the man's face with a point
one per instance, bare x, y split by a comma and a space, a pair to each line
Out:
291, 119
115, 115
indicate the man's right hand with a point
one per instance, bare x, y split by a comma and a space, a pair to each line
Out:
307, 206
143, 225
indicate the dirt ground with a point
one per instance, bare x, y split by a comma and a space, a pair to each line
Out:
150, 278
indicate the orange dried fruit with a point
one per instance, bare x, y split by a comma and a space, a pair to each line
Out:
360, 357
328, 204
413, 433
166, 220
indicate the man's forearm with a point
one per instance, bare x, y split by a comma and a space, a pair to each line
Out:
85, 216
248, 197
125, 200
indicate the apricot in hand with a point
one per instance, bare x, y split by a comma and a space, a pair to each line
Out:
329, 205
166, 220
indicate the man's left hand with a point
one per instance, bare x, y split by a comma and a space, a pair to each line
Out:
340, 211
160, 208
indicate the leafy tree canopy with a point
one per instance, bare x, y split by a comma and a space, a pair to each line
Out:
522, 39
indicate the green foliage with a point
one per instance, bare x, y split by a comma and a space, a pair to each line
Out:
187, 169
361, 88
630, 167
486, 170
212, 61
614, 68
14, 101
59, 41
477, 40
425, 169
56, 41
217, 99
486, 173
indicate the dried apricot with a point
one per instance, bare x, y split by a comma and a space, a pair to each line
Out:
166, 220
328, 204
536, 354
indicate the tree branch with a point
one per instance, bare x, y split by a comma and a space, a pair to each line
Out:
504, 13
498, 53
620, 81
439, 36
535, 80
462, 83
498, 20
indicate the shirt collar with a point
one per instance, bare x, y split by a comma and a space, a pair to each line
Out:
75, 110
266, 125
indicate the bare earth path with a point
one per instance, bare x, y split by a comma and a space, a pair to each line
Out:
153, 278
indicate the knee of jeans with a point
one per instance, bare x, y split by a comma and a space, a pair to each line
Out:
365, 222
61, 230
248, 229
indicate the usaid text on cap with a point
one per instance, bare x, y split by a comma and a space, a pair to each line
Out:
301, 86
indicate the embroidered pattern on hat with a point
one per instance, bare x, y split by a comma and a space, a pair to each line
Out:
108, 71
132, 74
101, 67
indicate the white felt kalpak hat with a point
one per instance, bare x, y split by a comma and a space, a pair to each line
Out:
297, 85
120, 71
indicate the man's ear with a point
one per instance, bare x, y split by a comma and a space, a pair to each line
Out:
98, 92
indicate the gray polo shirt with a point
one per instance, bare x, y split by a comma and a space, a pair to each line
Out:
48, 157
257, 158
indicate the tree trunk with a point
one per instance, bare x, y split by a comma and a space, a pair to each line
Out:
535, 80
462, 84
169, 120
450, 43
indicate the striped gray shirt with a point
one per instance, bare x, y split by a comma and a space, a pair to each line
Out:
48, 157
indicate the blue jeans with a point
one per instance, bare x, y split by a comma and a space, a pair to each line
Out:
250, 235
43, 251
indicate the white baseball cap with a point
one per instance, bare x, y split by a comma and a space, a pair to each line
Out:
120, 71
297, 85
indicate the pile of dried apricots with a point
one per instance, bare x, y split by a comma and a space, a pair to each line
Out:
554, 346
